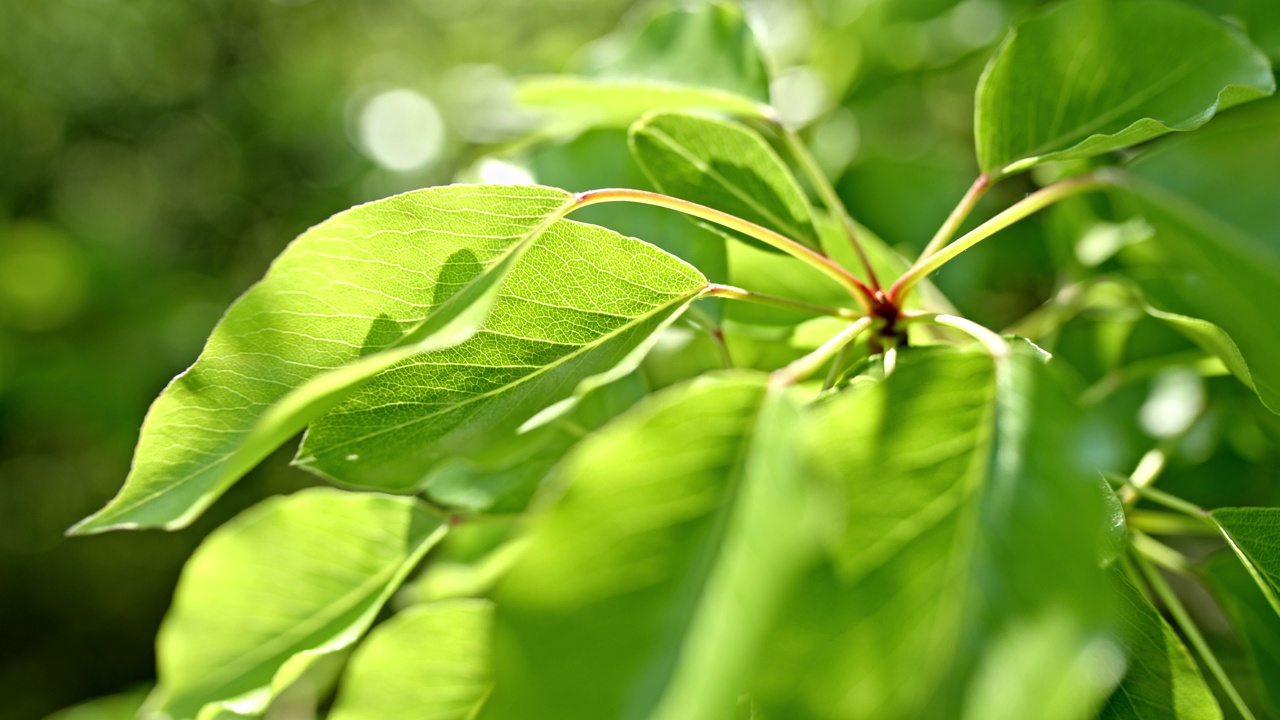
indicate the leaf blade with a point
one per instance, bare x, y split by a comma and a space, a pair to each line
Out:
1044, 96
256, 606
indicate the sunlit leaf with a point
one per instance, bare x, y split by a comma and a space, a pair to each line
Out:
1089, 76
966, 579
583, 102
123, 706
724, 165
1209, 196
646, 590
429, 661
582, 302
1256, 623
282, 585
414, 272
1162, 682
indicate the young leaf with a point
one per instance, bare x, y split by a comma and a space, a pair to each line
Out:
1210, 199
724, 165
968, 562
1212, 339
378, 275
429, 661
1090, 76
1162, 682
581, 302
1254, 535
257, 603
646, 590
702, 57
1256, 623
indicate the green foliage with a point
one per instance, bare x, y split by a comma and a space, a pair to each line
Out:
812, 496
1162, 681
257, 604
1051, 93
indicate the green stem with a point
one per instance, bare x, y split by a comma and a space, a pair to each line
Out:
809, 364
701, 320
957, 216
1029, 205
1179, 613
1158, 522
809, 165
735, 293
817, 260
991, 340
1173, 503
1158, 552
834, 373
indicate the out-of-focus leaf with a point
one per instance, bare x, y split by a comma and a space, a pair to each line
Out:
1209, 197
1256, 623
504, 478
417, 272
702, 57
606, 102
123, 706
573, 313
966, 580
1090, 76
259, 602
1162, 682
724, 165
646, 590
1254, 534
429, 661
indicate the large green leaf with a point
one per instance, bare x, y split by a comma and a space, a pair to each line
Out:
1255, 622
724, 165
965, 582
701, 57
582, 302
646, 590
1162, 682
1090, 76
429, 661
415, 272
1254, 534
1210, 197
123, 706
278, 587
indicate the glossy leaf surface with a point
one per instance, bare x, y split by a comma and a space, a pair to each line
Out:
290, 580
429, 661
1088, 76
724, 165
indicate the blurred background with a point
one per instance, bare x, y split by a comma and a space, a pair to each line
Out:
156, 155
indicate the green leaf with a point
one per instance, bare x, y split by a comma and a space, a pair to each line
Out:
965, 581
416, 272
1211, 339
1210, 198
646, 590
1090, 76
504, 478
724, 165
577, 311
429, 661
122, 706
1256, 623
282, 585
702, 57
1162, 682
1254, 534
